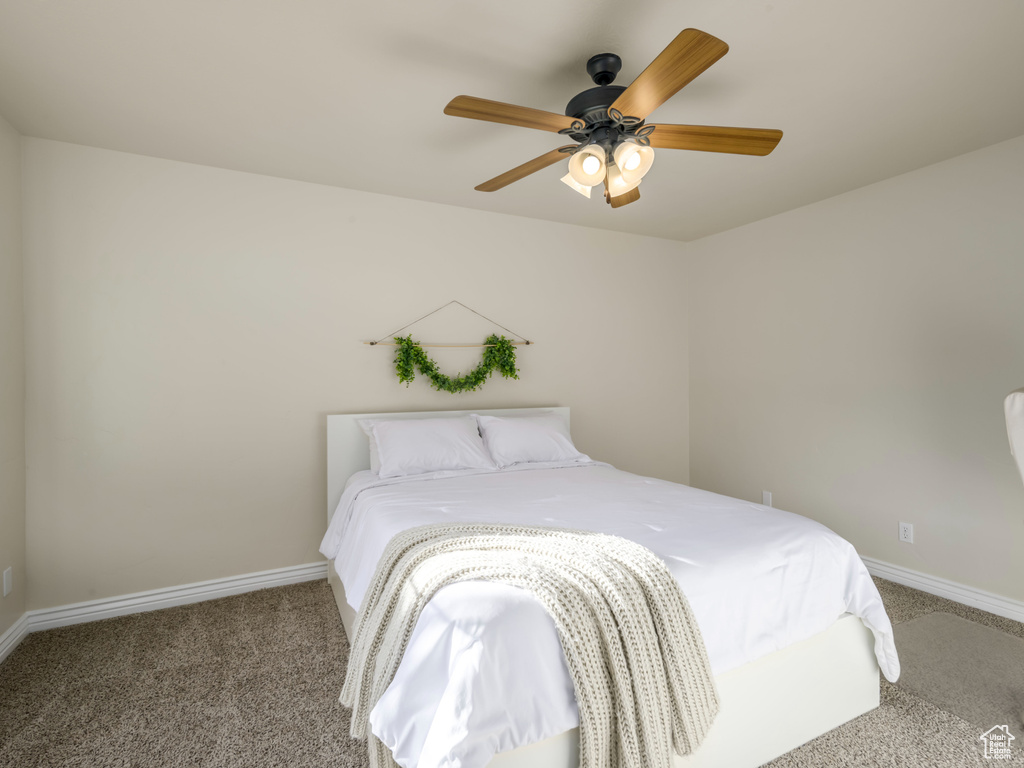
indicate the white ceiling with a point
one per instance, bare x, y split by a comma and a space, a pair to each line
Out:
351, 94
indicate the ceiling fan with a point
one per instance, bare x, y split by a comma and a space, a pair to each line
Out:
614, 145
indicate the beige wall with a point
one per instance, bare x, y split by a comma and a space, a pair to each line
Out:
852, 357
188, 329
12, 378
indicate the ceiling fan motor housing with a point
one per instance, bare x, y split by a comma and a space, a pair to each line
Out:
603, 67
591, 106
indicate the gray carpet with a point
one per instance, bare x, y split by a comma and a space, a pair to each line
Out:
964, 668
253, 681
907, 730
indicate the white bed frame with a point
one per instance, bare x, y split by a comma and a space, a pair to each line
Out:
768, 707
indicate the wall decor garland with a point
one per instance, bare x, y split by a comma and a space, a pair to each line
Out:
410, 356
499, 355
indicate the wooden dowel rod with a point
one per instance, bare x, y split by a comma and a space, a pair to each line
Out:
393, 344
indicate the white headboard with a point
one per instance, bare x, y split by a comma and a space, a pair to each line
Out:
348, 452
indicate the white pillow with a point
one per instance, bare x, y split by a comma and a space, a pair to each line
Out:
519, 439
367, 426
416, 446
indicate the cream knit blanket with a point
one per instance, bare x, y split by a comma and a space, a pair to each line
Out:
641, 675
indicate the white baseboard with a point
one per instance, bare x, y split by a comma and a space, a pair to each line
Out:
951, 590
155, 599
15, 634
94, 610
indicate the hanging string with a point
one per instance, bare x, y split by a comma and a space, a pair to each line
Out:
453, 301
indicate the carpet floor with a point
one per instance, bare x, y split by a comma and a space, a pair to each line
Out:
253, 681
964, 668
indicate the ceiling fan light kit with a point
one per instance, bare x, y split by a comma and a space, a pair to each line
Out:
614, 145
587, 165
633, 158
619, 183
583, 189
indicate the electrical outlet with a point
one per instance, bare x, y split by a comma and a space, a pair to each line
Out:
766, 498
907, 533
8, 577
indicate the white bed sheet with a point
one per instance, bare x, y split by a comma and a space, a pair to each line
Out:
484, 671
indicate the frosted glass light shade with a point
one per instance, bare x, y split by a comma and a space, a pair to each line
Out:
581, 166
633, 160
619, 183
571, 182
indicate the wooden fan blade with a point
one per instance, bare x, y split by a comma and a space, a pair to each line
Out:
620, 200
710, 138
625, 198
509, 114
524, 170
685, 57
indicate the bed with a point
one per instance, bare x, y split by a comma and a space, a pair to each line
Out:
779, 685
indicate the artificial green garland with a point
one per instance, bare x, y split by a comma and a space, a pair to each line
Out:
499, 354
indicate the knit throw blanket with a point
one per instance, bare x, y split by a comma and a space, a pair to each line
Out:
641, 675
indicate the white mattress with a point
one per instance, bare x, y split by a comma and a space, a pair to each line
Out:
484, 671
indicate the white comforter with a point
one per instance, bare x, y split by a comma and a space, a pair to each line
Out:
484, 671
